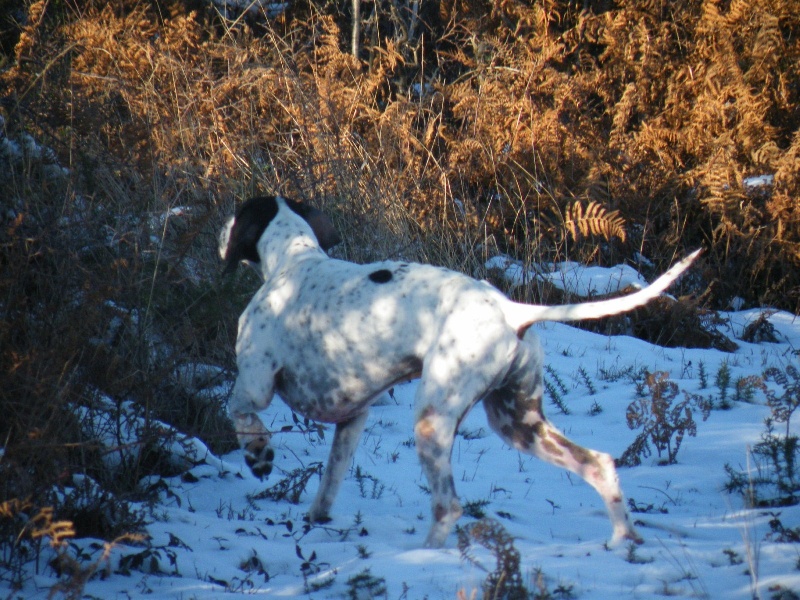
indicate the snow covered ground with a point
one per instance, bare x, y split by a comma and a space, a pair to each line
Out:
212, 537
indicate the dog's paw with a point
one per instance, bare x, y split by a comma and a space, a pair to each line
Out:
319, 511
259, 456
321, 519
626, 534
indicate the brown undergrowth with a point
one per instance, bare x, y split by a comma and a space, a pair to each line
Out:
548, 130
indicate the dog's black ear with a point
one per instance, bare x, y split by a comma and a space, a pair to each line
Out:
242, 246
321, 225
248, 226
255, 215
323, 228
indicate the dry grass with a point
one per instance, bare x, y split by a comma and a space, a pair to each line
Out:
461, 130
491, 126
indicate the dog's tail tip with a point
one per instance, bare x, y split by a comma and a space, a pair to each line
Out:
679, 267
692, 256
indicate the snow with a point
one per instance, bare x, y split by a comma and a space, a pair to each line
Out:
570, 276
758, 181
25, 147
211, 537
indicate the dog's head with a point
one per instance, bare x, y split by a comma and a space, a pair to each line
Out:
238, 240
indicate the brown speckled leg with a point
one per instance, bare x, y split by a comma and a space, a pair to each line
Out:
515, 412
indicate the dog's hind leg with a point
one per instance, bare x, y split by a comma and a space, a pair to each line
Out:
515, 412
345, 442
457, 372
439, 410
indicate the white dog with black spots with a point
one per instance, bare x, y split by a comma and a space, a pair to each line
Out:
330, 336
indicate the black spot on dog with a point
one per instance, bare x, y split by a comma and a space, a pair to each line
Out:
381, 276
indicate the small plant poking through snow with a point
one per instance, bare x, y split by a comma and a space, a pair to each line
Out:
781, 533
635, 507
775, 480
292, 486
556, 389
587, 381
476, 508
506, 580
722, 381
561, 592
702, 374
365, 586
744, 389
664, 422
634, 558
595, 409
151, 558
369, 486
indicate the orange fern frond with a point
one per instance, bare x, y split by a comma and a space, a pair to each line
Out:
594, 220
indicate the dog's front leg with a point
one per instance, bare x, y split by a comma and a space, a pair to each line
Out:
345, 441
253, 437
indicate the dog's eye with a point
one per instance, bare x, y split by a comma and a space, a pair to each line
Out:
381, 276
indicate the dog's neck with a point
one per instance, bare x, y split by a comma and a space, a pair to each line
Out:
295, 242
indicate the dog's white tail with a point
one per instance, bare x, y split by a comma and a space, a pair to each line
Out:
522, 316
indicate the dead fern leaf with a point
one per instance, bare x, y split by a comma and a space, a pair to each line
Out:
595, 220
506, 580
43, 525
